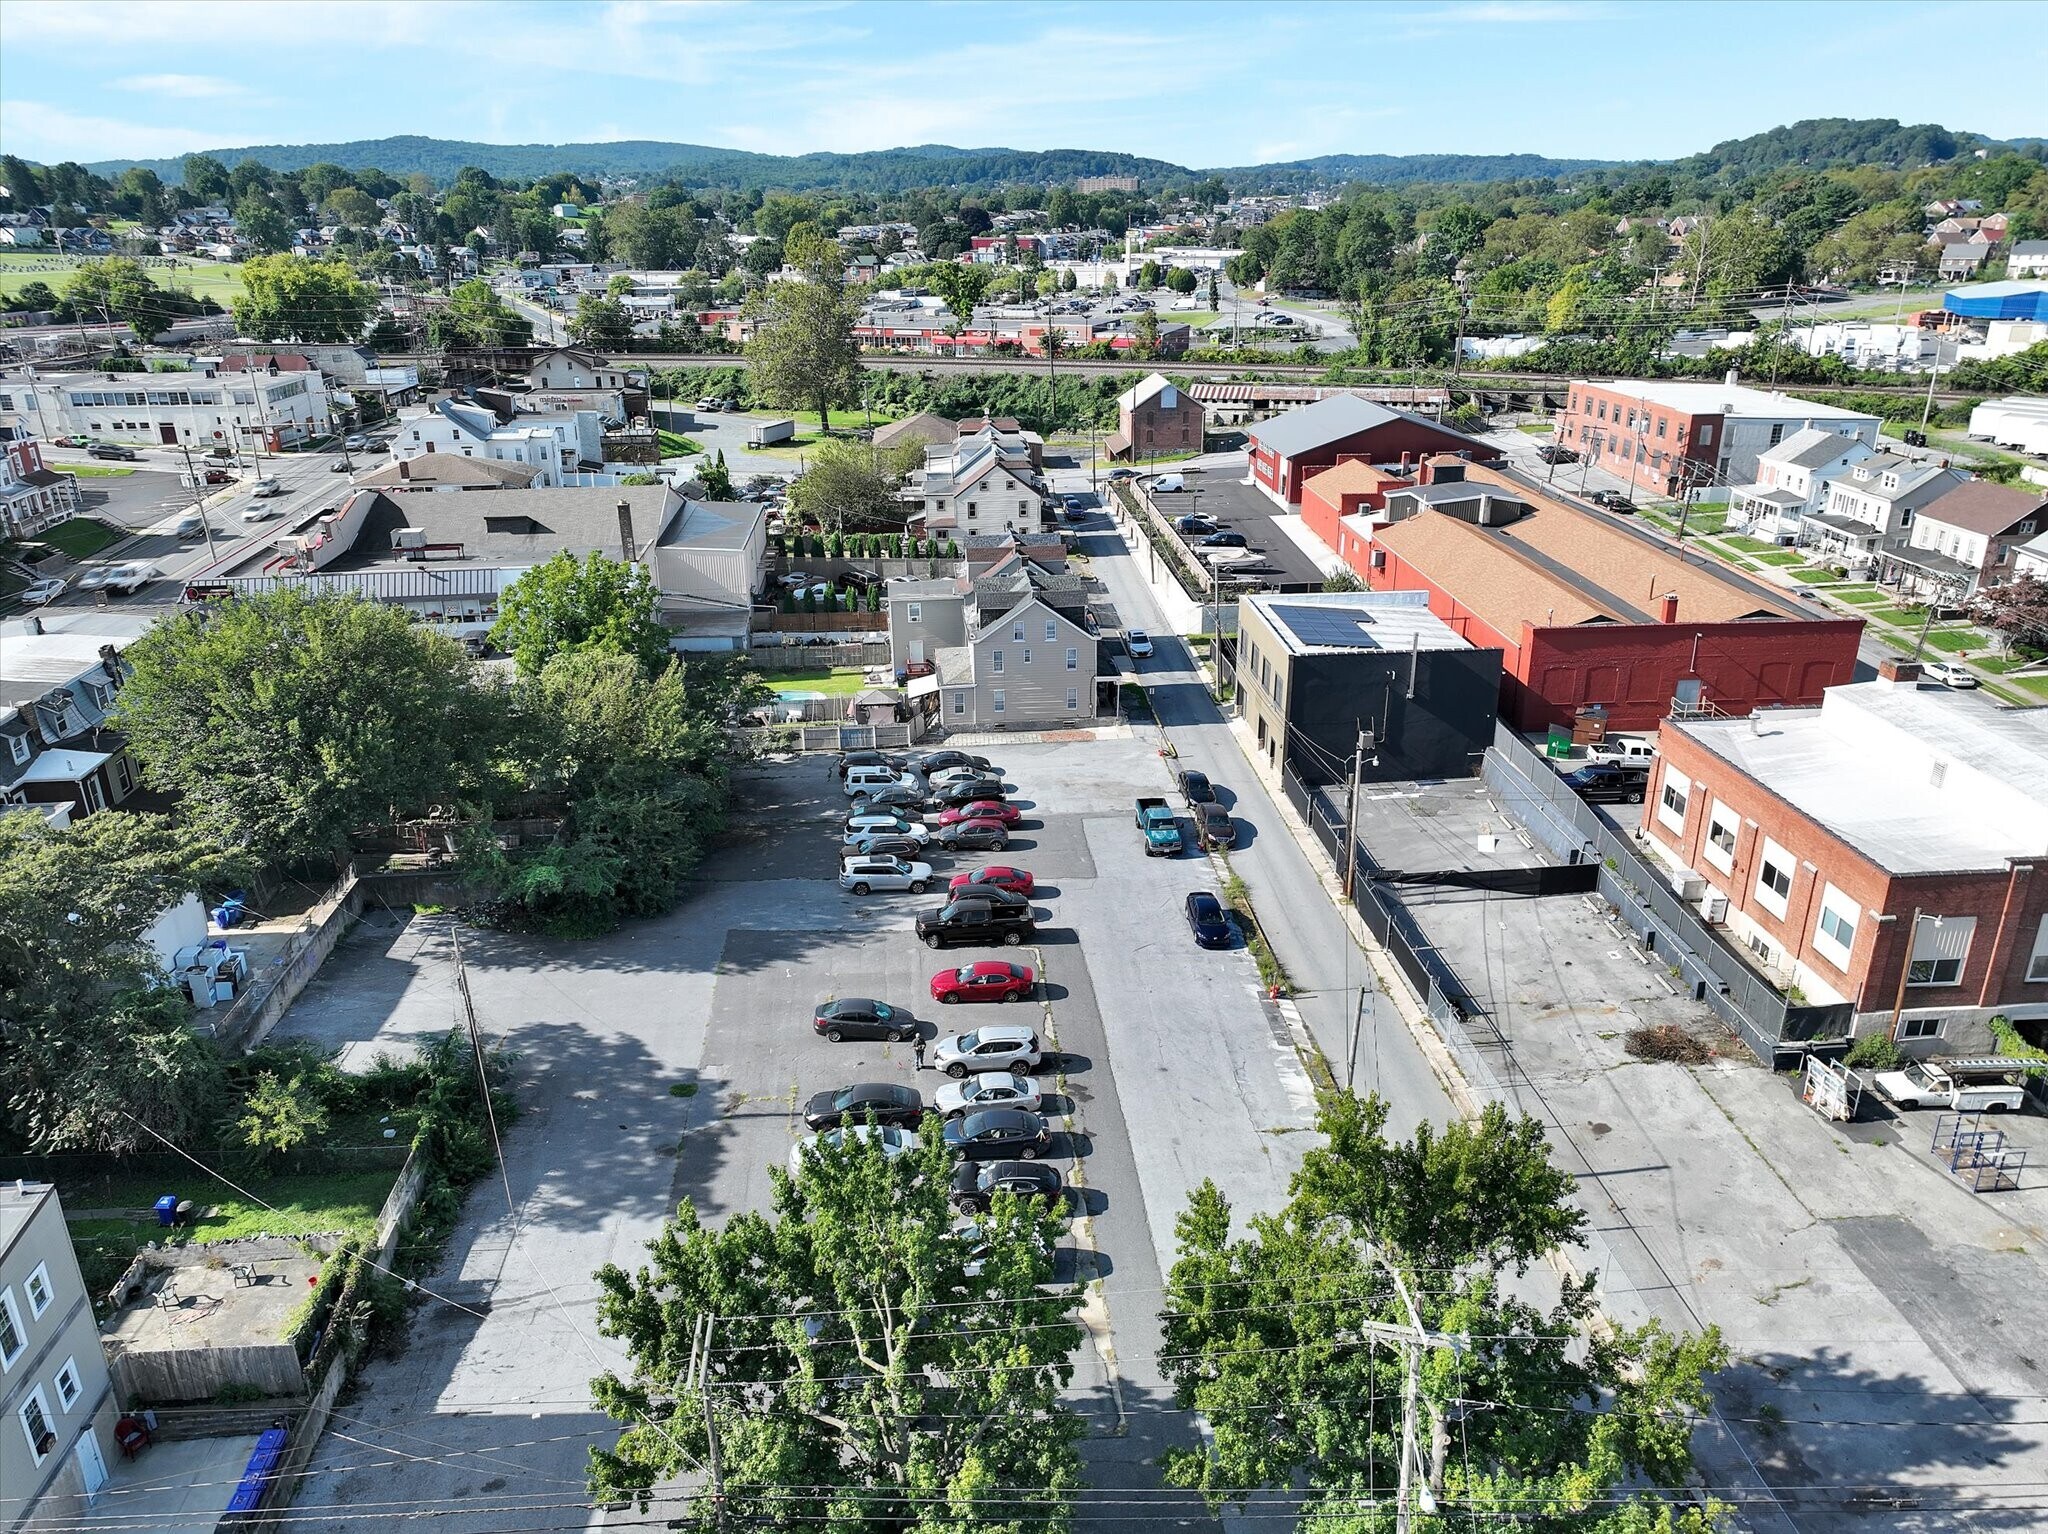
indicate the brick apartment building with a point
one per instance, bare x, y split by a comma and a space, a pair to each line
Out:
1666, 436
1587, 610
1289, 448
1156, 417
1893, 820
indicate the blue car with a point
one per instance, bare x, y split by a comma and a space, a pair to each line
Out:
1207, 922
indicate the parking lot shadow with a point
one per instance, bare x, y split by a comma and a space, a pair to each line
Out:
1247, 834
1067, 1063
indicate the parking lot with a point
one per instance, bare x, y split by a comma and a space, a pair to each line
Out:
1226, 499
1168, 1068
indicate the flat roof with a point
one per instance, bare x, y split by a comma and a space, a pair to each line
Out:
1334, 622
713, 525
1239, 506
1919, 779
1563, 565
1705, 398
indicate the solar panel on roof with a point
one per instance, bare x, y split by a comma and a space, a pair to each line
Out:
1346, 627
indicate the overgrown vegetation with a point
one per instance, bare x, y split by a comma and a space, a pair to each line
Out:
1874, 1052
1669, 1043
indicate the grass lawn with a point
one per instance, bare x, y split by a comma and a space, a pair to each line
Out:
1998, 665
1814, 577
841, 683
1782, 557
851, 419
96, 470
1955, 641
1860, 596
220, 281
2033, 686
1706, 523
1897, 617
81, 537
787, 445
1537, 428
674, 445
1749, 545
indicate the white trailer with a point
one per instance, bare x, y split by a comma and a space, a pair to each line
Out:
766, 433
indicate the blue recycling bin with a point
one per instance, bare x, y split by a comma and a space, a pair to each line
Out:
167, 1209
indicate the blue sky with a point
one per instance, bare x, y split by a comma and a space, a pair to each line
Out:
1195, 83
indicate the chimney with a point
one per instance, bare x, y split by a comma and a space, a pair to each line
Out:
405, 468
1734, 378
626, 528
1404, 465
1667, 607
1897, 671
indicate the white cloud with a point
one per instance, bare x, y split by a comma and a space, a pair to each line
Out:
190, 86
37, 131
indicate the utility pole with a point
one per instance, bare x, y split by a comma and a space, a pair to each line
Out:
1927, 410
197, 480
1351, 812
698, 1377
1358, 1017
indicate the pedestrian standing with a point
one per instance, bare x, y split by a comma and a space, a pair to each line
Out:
918, 1049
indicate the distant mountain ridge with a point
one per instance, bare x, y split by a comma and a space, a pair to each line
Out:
1816, 142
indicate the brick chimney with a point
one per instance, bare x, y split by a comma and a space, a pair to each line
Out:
1897, 671
405, 468
626, 528
1667, 607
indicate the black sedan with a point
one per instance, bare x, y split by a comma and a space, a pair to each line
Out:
1193, 523
994, 1133
929, 762
974, 836
1196, 788
975, 1184
1552, 452
1613, 500
967, 790
1609, 783
856, 1017
888, 1102
897, 798
852, 759
1207, 921
1223, 540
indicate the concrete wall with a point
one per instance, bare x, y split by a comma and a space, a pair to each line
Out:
257, 1009
169, 1375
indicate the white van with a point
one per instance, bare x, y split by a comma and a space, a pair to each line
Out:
1169, 484
1925, 1084
1630, 750
868, 780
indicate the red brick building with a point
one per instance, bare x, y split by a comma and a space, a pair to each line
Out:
1289, 448
1352, 489
1588, 611
1895, 820
1156, 417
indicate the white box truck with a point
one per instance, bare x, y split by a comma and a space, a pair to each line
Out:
766, 433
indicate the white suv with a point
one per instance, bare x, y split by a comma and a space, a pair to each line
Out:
992, 1047
862, 874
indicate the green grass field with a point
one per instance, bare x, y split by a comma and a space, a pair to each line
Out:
1744, 545
1897, 617
1782, 557
96, 471
1814, 577
674, 445
1536, 428
220, 281
1860, 596
1956, 641
841, 683
81, 537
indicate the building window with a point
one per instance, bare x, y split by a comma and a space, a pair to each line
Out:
959, 702
1017, 633
12, 1339
1025, 658
38, 1290
19, 745
1671, 802
1777, 434
69, 1386
1073, 659
1941, 946
914, 612
1774, 879
1911, 1028
996, 701
995, 661
1706, 437
2037, 963
1051, 631
35, 1423
1073, 699
1722, 824
1835, 933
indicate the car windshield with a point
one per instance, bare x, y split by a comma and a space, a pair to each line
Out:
1206, 907
970, 1041
964, 974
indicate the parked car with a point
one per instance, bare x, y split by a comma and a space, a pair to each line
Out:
987, 980
711, 404
123, 579
848, 760
1932, 1084
1951, 673
989, 1089
355, 442
796, 580
1195, 787
112, 450
1552, 452
1629, 750
981, 809
1609, 783
858, 1017
1613, 500
1214, 828
1011, 1047
859, 828
1117, 476
861, 580
995, 876
968, 790
1138, 643
1227, 539
199, 477
901, 797
43, 591
75, 439
976, 1183
1206, 920
868, 780
888, 1101
893, 1141
865, 874
932, 763
974, 836
882, 844
993, 1133
1194, 522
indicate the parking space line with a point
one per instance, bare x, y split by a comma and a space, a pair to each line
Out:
1094, 1313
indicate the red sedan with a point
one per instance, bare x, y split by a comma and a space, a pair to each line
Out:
989, 980
1018, 880
982, 809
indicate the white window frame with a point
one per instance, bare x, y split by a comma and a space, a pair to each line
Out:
1017, 632
1052, 631
1767, 895
995, 662
1677, 783
1840, 908
997, 703
1719, 817
1025, 658
959, 702
1073, 698
913, 612
1931, 938
1912, 1028
2037, 961
41, 1403
19, 745
68, 1398
38, 1278
1073, 658
7, 1360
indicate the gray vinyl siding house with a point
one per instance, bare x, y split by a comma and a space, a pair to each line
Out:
1032, 668
925, 617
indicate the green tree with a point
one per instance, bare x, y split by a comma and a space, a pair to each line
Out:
477, 316
1068, 281
260, 224
803, 351
716, 479
279, 1116
288, 721
856, 1357
354, 207
601, 322
116, 288
286, 298
1551, 1422
851, 484
564, 606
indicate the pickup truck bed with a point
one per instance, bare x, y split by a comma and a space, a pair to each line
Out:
1160, 826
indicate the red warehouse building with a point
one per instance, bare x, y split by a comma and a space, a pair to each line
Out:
1589, 611
1342, 506
1888, 850
1288, 449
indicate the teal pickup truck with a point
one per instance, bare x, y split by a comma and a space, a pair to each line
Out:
1161, 827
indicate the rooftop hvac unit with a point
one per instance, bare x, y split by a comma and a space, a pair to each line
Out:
1713, 906
1691, 887
408, 537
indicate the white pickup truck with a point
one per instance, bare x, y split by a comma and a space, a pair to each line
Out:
1975, 1086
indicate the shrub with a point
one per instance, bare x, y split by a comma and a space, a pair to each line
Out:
1874, 1052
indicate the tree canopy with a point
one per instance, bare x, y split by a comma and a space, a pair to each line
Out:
1533, 1417
567, 605
852, 485
865, 1373
803, 351
289, 299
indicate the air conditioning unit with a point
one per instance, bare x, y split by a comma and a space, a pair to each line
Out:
1691, 887
1713, 906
